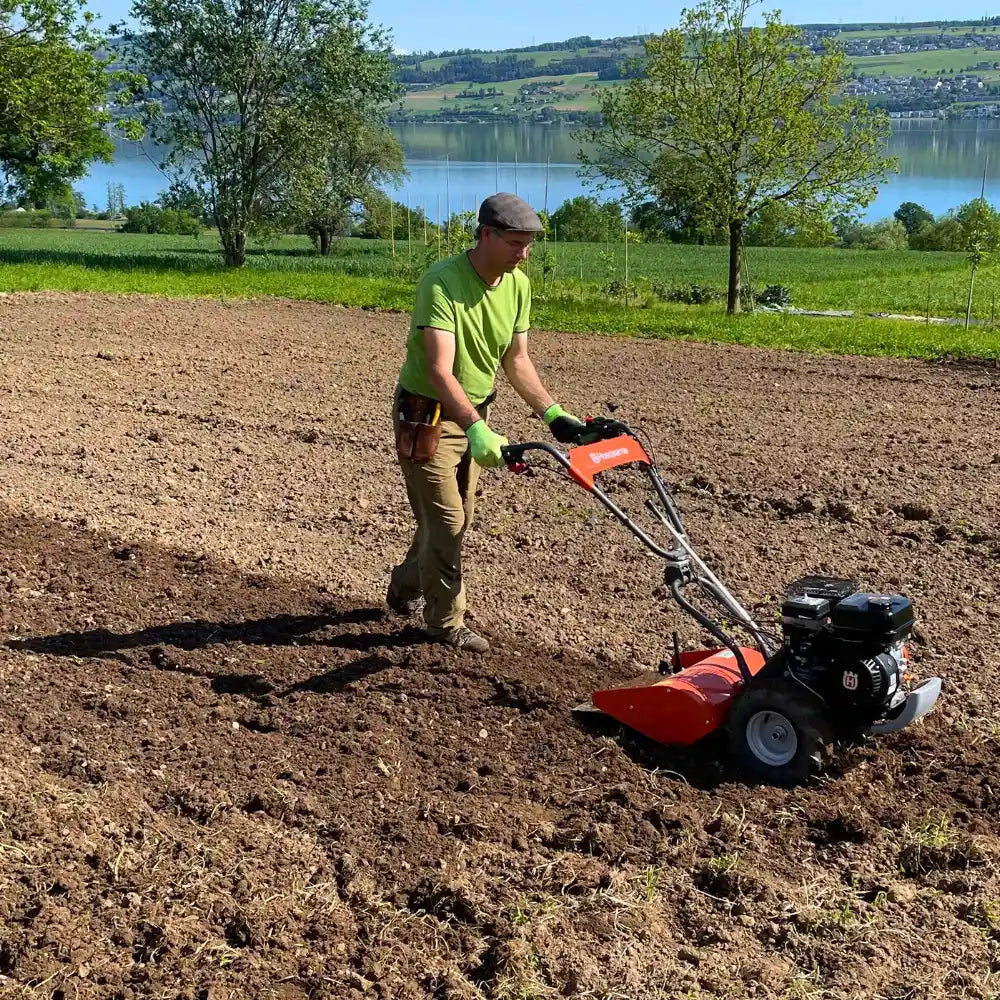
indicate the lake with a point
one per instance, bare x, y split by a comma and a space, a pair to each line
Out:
453, 167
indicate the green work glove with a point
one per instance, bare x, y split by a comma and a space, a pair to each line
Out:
564, 426
485, 445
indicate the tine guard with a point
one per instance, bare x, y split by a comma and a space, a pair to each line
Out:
685, 707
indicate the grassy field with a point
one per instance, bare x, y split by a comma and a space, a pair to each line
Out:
574, 92
583, 293
912, 63
540, 58
905, 31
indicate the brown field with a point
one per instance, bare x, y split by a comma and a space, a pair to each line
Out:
227, 773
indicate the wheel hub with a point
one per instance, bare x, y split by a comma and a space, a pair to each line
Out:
772, 738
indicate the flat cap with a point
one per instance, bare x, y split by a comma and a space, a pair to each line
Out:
507, 211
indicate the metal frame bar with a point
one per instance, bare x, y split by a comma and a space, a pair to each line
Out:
671, 520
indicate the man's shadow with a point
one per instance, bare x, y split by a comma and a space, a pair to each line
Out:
276, 630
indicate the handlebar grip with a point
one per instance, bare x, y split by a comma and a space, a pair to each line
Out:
512, 454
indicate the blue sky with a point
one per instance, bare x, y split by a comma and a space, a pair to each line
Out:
445, 24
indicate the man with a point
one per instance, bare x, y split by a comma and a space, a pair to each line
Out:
471, 317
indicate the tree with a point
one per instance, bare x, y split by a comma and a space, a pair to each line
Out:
53, 96
116, 200
913, 217
734, 118
61, 204
973, 227
945, 234
675, 218
980, 226
360, 156
586, 220
252, 93
887, 234
777, 224
183, 198
381, 218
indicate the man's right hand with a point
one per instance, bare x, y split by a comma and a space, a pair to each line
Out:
485, 445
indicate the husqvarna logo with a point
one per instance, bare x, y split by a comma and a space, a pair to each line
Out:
850, 680
602, 456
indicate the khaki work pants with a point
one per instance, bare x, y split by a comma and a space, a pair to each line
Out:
442, 494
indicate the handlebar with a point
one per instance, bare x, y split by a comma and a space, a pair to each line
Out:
684, 566
595, 429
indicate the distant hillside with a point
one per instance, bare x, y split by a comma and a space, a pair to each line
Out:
574, 55
932, 68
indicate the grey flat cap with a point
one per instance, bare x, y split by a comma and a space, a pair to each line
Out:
507, 211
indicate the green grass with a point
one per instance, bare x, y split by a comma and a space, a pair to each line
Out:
364, 274
870, 280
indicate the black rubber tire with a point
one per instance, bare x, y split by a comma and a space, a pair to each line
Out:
807, 716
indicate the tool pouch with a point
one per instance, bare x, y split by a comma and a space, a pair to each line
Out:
418, 428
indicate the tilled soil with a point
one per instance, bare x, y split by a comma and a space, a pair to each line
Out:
227, 772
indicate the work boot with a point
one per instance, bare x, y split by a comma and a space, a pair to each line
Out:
460, 638
411, 608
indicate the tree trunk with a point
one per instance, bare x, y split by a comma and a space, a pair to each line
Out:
234, 246
733, 303
325, 241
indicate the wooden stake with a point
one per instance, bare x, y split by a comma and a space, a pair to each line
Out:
626, 260
972, 271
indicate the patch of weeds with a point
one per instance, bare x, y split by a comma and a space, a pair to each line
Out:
525, 982
805, 987
651, 882
933, 832
774, 295
534, 912
722, 877
722, 863
984, 915
218, 953
934, 846
852, 917
844, 915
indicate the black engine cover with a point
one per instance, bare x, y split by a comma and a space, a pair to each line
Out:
875, 618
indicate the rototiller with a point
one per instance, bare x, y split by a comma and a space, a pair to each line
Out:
838, 670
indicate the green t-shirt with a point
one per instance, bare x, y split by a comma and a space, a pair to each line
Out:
452, 297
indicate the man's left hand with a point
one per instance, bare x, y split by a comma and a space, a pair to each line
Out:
564, 426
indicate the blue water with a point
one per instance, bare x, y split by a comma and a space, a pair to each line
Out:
451, 168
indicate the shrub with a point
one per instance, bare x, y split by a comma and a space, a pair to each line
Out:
692, 295
149, 218
774, 295
889, 234
27, 219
